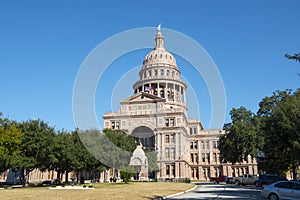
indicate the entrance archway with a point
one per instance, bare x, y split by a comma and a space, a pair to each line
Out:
145, 136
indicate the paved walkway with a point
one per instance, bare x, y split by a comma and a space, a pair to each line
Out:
220, 191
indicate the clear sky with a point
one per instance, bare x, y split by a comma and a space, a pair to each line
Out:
43, 44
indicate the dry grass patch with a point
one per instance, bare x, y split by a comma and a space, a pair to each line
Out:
102, 191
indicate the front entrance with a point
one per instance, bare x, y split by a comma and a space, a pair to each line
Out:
144, 136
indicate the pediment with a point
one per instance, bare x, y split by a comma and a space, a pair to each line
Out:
142, 96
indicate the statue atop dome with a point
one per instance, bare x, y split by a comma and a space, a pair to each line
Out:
159, 27
159, 39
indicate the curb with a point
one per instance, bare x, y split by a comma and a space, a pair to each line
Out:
176, 194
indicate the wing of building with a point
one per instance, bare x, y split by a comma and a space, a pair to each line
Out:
157, 115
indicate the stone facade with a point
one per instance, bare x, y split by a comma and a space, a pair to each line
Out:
157, 115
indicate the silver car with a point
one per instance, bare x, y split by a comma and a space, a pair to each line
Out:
281, 190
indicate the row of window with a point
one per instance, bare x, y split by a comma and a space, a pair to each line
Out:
161, 72
138, 107
116, 124
204, 144
205, 158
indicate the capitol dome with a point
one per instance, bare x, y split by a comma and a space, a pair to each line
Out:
159, 55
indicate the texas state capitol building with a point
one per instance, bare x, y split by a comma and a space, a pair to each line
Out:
157, 115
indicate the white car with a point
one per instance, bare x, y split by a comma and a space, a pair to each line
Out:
281, 190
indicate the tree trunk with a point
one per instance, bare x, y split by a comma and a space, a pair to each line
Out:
295, 170
58, 176
67, 177
77, 177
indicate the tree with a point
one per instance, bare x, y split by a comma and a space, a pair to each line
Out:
126, 173
113, 148
241, 138
10, 140
84, 160
280, 114
64, 154
36, 147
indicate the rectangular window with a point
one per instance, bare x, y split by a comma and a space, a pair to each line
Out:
167, 122
195, 145
207, 144
192, 157
172, 154
203, 157
195, 131
134, 107
167, 154
191, 145
202, 145
172, 122
196, 158
167, 139
191, 131
172, 138
173, 169
168, 170
215, 158
144, 107
207, 158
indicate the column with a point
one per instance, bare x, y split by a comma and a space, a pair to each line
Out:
158, 146
177, 168
174, 92
177, 155
200, 172
162, 147
199, 152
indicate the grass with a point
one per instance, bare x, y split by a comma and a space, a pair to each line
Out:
135, 190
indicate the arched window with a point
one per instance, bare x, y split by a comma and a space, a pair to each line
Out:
150, 74
155, 72
145, 74
161, 72
168, 73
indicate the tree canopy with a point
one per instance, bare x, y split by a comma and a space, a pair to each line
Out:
241, 138
273, 130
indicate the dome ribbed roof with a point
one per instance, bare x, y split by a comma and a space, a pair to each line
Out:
159, 55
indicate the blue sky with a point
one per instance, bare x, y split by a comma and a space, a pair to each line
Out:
43, 44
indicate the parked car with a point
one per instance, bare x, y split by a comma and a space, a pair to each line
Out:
218, 179
267, 179
246, 179
47, 183
281, 190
